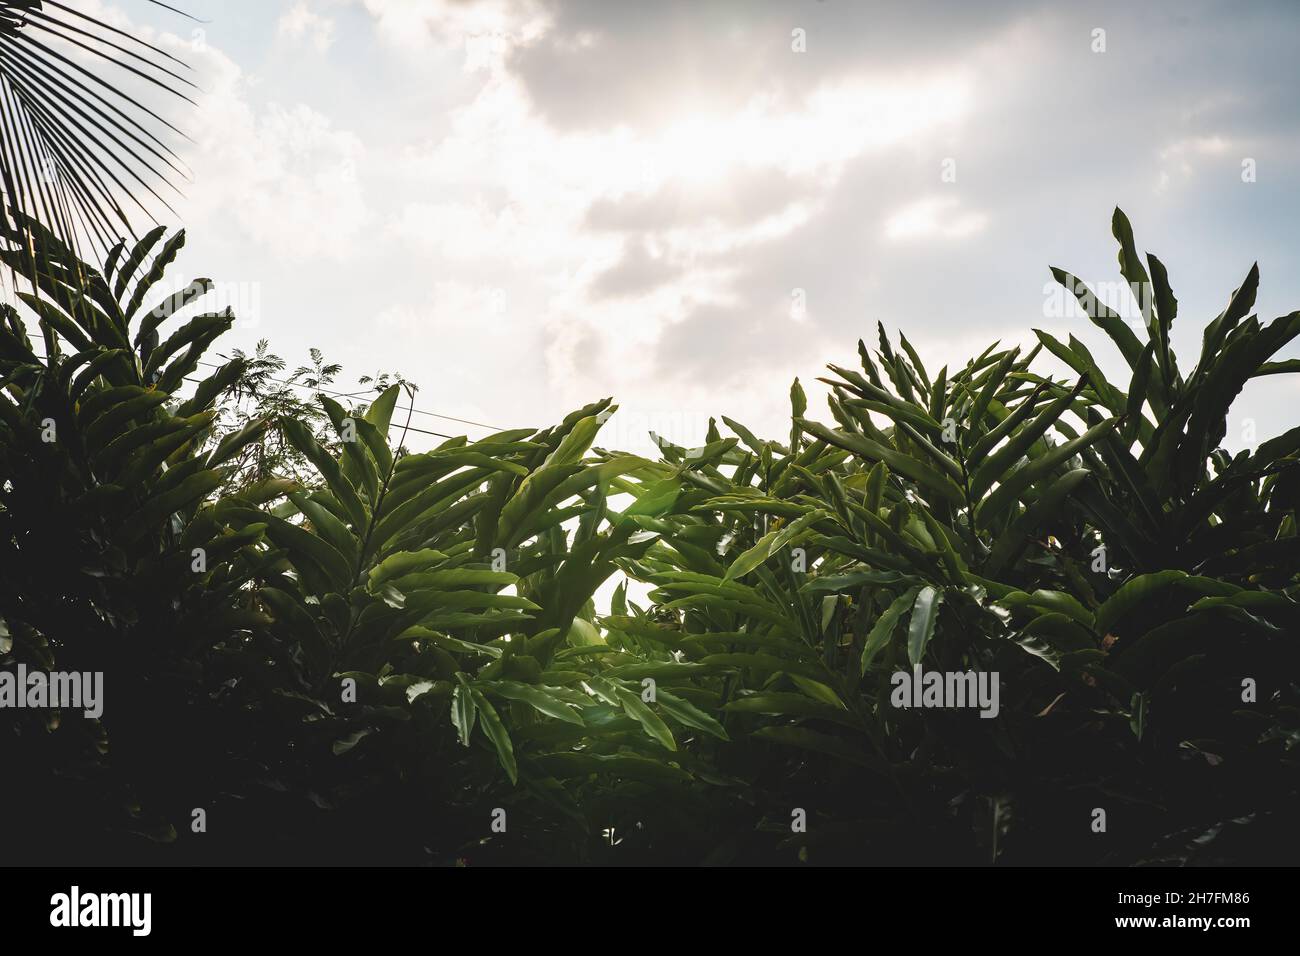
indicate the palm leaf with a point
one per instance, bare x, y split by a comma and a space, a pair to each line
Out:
79, 147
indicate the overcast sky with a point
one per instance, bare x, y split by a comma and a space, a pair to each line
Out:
525, 206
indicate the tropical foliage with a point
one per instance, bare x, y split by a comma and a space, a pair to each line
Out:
83, 136
345, 651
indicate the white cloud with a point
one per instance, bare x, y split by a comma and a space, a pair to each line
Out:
647, 248
934, 217
301, 23
486, 30
1183, 158
282, 177
505, 197
1196, 146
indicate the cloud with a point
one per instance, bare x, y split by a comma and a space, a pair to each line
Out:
485, 30
300, 23
658, 61
934, 217
281, 177
539, 203
719, 344
749, 194
641, 269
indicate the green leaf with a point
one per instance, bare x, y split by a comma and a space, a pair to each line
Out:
344, 744
1130, 263
798, 400
684, 712
763, 663
1144, 587
925, 614
869, 450
771, 543
651, 722
300, 436
1102, 316
818, 691
301, 542
327, 525
1137, 393
980, 408
996, 466
380, 412
655, 499
1024, 477
496, 731
536, 697
885, 625
419, 632
401, 563
188, 494
1052, 636
659, 670
790, 705
463, 711
1057, 601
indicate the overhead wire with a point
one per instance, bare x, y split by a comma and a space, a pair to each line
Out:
404, 408
337, 394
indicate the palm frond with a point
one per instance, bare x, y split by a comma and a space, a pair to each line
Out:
81, 148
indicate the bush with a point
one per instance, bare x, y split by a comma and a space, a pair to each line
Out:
387, 653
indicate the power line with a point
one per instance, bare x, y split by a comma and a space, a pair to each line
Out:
404, 408
391, 425
336, 394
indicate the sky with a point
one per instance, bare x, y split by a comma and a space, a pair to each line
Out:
525, 206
